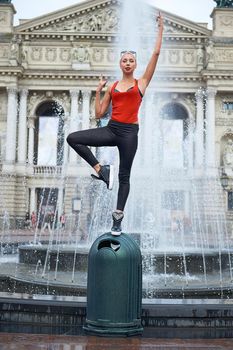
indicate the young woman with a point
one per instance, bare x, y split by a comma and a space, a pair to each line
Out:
122, 129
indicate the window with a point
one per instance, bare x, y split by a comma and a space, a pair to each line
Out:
230, 201
228, 106
174, 131
49, 138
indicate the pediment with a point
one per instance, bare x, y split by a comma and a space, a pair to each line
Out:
86, 17
100, 16
180, 25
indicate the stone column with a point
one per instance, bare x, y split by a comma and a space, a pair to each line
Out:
199, 132
210, 128
11, 125
32, 200
31, 126
22, 132
73, 121
86, 109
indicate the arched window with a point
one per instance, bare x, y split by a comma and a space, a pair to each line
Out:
174, 131
49, 134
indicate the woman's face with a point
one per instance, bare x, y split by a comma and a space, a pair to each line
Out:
128, 63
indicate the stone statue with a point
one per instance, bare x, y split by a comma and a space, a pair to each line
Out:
228, 153
224, 3
209, 58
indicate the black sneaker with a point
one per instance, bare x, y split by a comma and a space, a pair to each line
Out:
106, 175
116, 227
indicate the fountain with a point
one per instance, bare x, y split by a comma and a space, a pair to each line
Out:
175, 211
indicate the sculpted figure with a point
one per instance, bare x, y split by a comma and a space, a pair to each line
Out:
228, 153
209, 53
224, 3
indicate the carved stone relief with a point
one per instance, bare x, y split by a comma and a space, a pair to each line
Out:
3, 17
224, 122
209, 55
190, 101
63, 100
200, 55
112, 55
65, 55
51, 54
226, 20
24, 55
95, 21
4, 51
81, 54
14, 52
224, 55
188, 57
80, 57
174, 56
98, 55
228, 153
33, 100
36, 53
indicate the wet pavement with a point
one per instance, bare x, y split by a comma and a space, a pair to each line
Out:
51, 342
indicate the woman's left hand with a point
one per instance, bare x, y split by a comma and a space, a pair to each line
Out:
159, 19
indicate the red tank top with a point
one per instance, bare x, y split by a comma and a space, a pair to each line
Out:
125, 105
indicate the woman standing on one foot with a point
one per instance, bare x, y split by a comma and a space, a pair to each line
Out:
122, 129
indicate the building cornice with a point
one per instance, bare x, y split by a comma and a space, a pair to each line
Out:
6, 71
37, 27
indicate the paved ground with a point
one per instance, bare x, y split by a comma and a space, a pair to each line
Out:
55, 342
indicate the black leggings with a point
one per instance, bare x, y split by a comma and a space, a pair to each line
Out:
122, 135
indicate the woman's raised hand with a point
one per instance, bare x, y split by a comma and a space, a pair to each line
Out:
102, 83
159, 20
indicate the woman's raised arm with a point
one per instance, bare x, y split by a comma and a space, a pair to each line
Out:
150, 69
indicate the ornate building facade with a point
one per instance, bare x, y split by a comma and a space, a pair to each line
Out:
50, 66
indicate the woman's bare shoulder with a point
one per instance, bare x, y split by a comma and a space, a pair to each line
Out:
110, 86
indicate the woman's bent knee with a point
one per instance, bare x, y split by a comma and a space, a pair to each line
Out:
71, 139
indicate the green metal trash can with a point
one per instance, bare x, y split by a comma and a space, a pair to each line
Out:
114, 287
